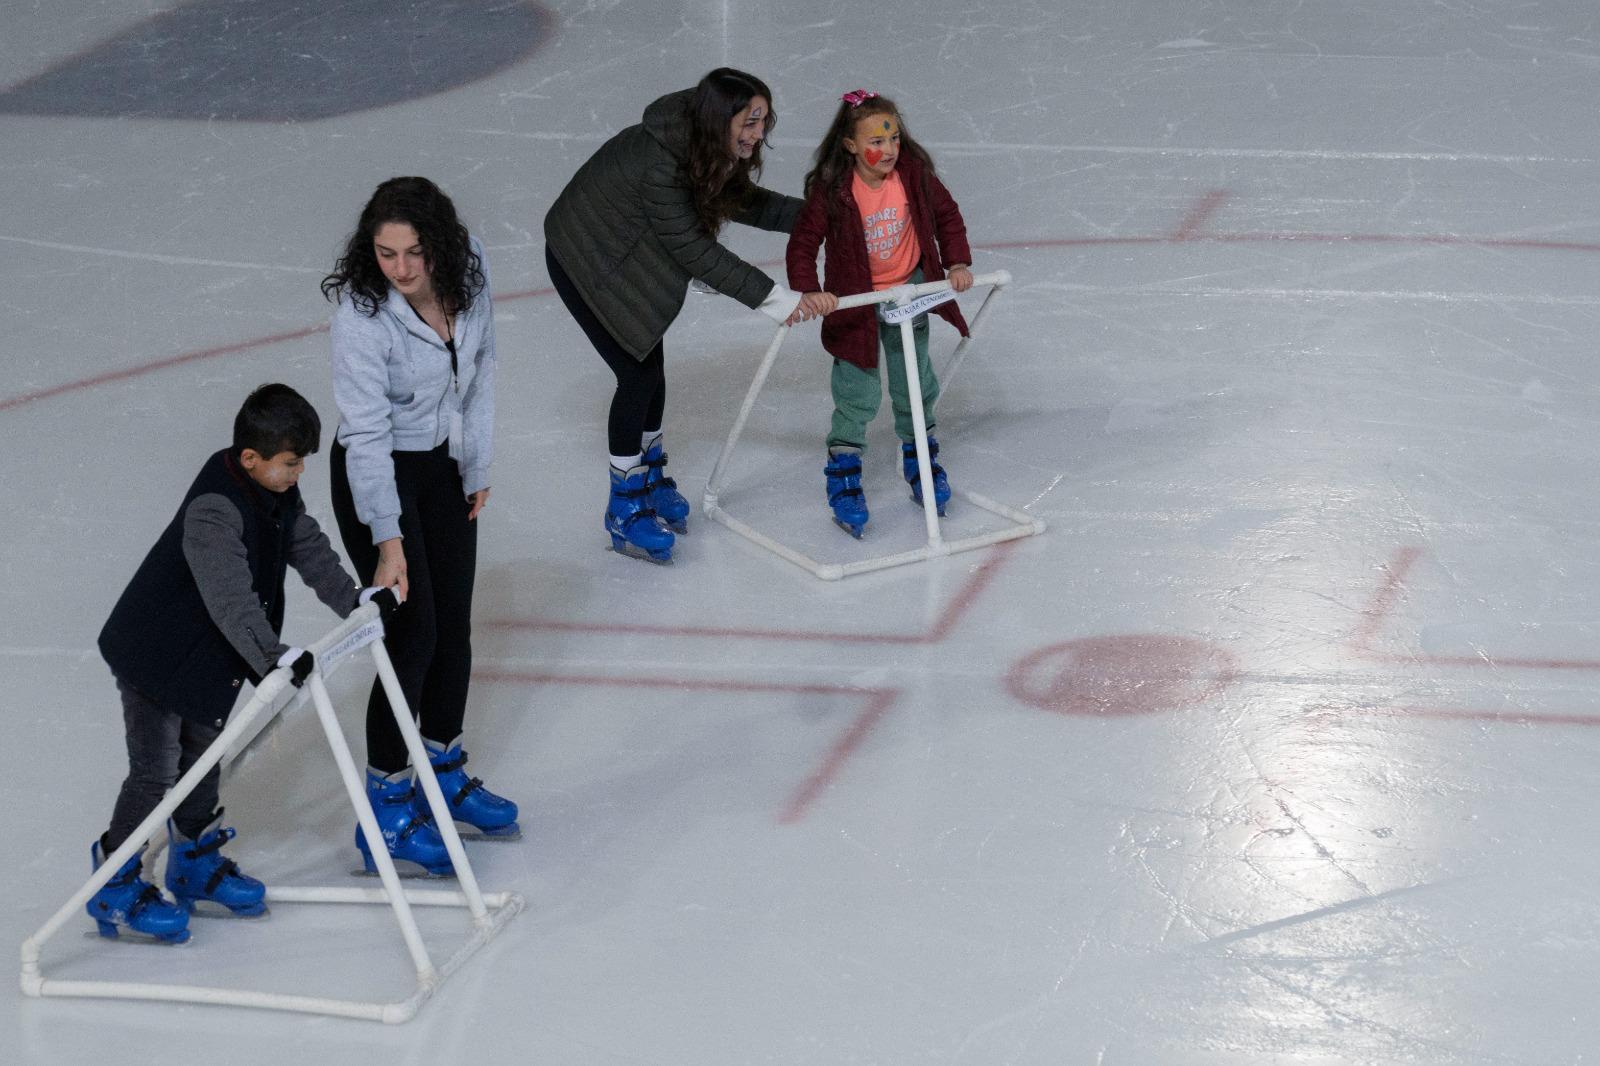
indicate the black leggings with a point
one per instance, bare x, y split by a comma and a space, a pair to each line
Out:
430, 637
641, 396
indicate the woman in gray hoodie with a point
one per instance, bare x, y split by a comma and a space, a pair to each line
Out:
636, 223
413, 375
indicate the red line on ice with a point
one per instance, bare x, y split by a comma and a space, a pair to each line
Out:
878, 705
942, 626
1382, 602
195, 357
1186, 233
837, 756
1504, 662
879, 701
1377, 613
1200, 214
1456, 714
160, 364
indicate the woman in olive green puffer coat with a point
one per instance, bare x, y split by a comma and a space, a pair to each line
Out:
631, 229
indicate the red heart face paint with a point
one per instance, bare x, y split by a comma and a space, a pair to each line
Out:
876, 146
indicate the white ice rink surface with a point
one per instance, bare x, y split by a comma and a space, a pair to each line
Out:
1280, 746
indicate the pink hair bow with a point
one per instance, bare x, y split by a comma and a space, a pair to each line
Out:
857, 97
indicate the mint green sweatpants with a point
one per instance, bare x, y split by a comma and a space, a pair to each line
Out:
857, 393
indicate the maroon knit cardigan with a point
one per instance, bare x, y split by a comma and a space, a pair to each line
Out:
852, 335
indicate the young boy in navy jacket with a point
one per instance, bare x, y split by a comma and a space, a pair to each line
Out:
199, 619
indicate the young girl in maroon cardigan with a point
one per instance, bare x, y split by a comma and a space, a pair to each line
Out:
885, 219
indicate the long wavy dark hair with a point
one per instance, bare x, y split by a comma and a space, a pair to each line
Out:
455, 269
832, 163
720, 183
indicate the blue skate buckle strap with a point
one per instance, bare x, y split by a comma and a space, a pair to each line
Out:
224, 870
150, 895
219, 838
455, 763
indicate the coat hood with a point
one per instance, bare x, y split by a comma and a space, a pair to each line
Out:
667, 120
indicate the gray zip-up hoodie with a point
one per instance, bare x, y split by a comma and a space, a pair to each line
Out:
393, 384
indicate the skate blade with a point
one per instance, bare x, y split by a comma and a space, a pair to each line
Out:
854, 531
680, 528
939, 510
407, 871
130, 936
633, 552
507, 835
208, 908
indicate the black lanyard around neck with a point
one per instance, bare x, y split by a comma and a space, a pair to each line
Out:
449, 342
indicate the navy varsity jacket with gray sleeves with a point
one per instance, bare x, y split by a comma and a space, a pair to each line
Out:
201, 615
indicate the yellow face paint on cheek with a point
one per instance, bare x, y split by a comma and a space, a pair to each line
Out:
881, 128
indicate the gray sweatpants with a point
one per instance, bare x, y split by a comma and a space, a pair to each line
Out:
161, 748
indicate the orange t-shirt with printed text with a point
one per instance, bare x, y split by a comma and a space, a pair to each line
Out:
892, 248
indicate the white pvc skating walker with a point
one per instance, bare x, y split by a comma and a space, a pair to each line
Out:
488, 913
1019, 524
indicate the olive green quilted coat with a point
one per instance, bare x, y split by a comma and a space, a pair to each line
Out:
625, 229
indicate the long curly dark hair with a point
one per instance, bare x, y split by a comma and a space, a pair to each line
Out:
832, 163
455, 269
719, 182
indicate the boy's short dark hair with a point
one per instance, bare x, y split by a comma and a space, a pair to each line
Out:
276, 419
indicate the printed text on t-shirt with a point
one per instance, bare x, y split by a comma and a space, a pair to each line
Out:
883, 230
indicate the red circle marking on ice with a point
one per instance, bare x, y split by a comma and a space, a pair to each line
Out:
1131, 674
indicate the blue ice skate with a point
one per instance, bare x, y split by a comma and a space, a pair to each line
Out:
669, 504
129, 903
908, 465
844, 490
412, 838
631, 520
479, 814
204, 881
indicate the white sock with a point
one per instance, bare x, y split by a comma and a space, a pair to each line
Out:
648, 439
626, 463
